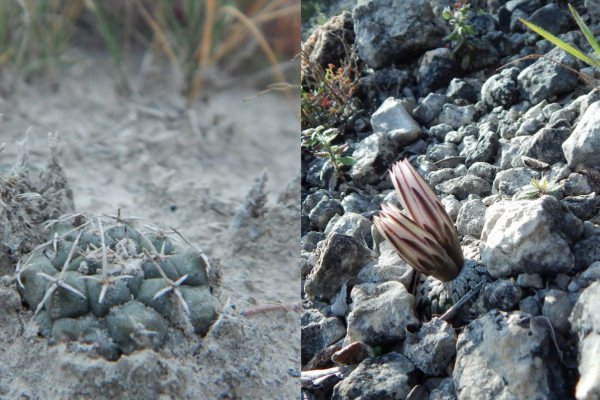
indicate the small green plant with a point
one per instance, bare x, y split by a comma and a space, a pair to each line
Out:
575, 52
457, 18
329, 100
319, 141
538, 188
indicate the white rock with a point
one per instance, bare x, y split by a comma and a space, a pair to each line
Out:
525, 236
583, 144
391, 117
585, 322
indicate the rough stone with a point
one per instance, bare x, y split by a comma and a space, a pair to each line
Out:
432, 348
328, 43
430, 108
483, 170
545, 145
545, 79
436, 68
318, 332
339, 258
485, 150
510, 181
383, 38
501, 89
525, 236
585, 322
324, 210
552, 19
456, 116
471, 218
461, 92
499, 358
390, 376
389, 267
373, 156
380, 314
463, 186
557, 308
351, 224
391, 116
583, 144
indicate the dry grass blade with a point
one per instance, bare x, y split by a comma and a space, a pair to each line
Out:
426, 237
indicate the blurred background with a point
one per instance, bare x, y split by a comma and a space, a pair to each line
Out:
200, 41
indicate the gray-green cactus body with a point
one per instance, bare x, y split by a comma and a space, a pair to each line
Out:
434, 297
120, 294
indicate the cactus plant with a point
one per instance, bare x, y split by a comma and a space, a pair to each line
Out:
113, 288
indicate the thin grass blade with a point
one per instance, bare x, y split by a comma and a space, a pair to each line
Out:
585, 30
560, 43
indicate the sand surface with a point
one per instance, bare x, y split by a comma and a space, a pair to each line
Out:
140, 155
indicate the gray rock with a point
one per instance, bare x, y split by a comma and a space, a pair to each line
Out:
452, 206
545, 79
530, 305
339, 258
456, 116
552, 19
430, 108
499, 358
328, 43
461, 92
384, 377
463, 186
389, 267
593, 9
483, 170
432, 348
391, 116
510, 181
436, 68
577, 184
355, 202
585, 322
440, 131
380, 313
530, 281
529, 126
501, 89
589, 276
557, 308
373, 156
587, 251
454, 137
441, 151
324, 210
582, 206
525, 236
471, 218
351, 224
439, 176
383, 38
318, 332
485, 150
545, 145
502, 294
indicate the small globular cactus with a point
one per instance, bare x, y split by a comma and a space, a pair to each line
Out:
103, 281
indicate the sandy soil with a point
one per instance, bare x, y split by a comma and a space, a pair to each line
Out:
141, 156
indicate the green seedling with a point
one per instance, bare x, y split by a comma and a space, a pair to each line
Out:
540, 187
457, 18
320, 142
572, 50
